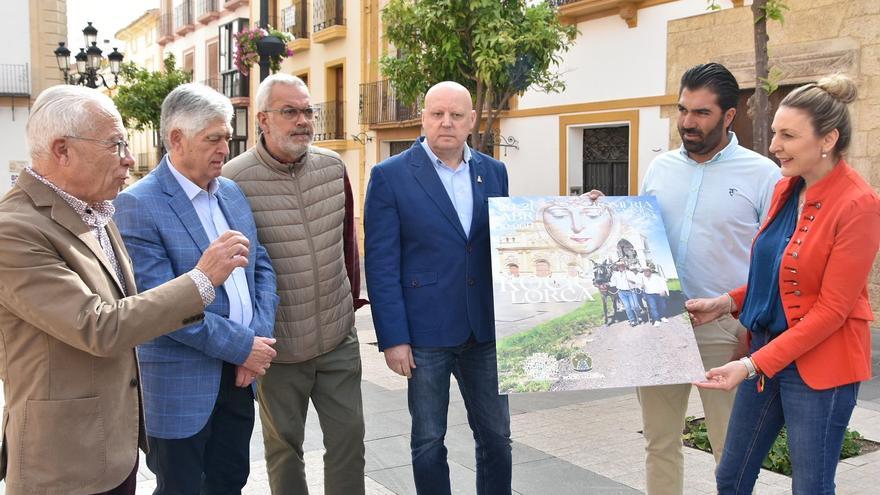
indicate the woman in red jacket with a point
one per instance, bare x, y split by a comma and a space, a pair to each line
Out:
806, 301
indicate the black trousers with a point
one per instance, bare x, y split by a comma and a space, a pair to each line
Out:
216, 460
128, 486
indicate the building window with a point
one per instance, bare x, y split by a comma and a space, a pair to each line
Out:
295, 19
238, 142
233, 84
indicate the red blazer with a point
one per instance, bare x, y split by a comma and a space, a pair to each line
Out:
823, 281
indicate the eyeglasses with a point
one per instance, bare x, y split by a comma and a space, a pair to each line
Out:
121, 145
292, 113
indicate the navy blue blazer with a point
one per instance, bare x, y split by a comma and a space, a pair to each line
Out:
180, 371
429, 281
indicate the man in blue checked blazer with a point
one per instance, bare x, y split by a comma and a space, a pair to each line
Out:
429, 275
197, 395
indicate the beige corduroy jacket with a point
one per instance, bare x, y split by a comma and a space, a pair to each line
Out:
72, 422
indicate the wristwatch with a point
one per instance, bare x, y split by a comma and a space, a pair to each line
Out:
750, 366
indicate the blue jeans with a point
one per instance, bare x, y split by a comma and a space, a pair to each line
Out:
475, 370
630, 304
656, 306
815, 419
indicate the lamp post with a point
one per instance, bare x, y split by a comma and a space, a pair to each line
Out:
88, 61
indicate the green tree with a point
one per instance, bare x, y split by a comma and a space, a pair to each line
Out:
766, 79
139, 98
496, 48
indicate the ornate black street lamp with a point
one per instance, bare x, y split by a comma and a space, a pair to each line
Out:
88, 62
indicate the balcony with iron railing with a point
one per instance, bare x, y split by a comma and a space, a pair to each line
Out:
328, 20
234, 84
329, 120
15, 80
213, 83
207, 10
379, 104
295, 18
144, 162
166, 28
183, 18
233, 4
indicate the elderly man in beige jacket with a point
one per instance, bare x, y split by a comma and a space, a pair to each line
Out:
70, 314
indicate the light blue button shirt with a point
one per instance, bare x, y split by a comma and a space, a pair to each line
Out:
457, 184
208, 208
711, 211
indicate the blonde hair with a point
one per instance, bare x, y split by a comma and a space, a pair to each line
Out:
825, 101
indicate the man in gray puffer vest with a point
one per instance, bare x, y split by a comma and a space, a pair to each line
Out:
303, 207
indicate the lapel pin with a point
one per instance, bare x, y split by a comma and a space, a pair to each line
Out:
479, 179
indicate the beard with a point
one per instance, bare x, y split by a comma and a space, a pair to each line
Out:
708, 141
290, 148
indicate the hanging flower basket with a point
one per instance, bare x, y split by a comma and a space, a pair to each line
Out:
246, 53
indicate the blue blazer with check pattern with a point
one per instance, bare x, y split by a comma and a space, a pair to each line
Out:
180, 371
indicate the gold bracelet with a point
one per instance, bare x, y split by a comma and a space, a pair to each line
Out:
730, 302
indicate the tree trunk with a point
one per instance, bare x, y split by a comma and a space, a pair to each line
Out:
761, 102
478, 108
485, 143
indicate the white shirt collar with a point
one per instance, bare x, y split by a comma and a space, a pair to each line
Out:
189, 187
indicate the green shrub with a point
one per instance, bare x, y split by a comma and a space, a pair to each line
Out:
778, 460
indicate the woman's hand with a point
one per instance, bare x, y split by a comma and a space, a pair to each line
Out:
726, 377
705, 310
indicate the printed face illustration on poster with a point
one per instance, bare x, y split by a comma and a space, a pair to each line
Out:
577, 224
586, 296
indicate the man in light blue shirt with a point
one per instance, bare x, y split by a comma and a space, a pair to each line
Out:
713, 195
457, 182
198, 401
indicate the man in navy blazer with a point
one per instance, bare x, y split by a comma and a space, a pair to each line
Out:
197, 397
429, 279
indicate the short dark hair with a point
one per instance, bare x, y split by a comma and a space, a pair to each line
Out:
717, 78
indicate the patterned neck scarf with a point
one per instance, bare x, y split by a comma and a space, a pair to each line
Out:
96, 216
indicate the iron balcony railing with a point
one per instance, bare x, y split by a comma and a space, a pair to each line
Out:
183, 14
327, 13
15, 80
560, 3
379, 104
166, 25
145, 162
234, 85
329, 120
213, 83
294, 19
204, 7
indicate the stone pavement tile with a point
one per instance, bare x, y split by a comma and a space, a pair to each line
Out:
399, 480
379, 399
387, 424
460, 447
771, 490
520, 403
866, 422
386, 453
562, 478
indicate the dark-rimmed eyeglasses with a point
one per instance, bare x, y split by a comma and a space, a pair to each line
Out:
292, 113
121, 145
